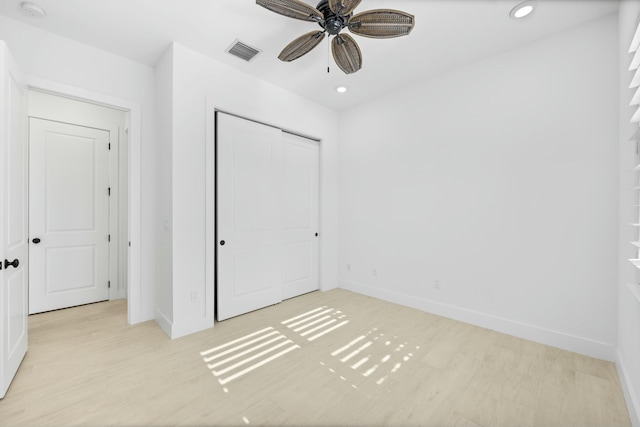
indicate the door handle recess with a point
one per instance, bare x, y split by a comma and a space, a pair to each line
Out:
15, 263
36, 240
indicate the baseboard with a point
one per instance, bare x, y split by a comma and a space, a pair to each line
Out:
164, 323
553, 338
182, 328
190, 326
118, 294
630, 395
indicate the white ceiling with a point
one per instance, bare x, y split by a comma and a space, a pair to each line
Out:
448, 34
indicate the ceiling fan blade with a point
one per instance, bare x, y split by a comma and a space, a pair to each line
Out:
301, 46
293, 9
346, 53
382, 23
343, 7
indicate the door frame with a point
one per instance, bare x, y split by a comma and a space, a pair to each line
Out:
54, 108
211, 223
133, 175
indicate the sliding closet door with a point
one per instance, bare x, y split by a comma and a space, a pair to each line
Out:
300, 197
267, 215
249, 183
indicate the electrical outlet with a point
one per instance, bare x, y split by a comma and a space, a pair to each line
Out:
348, 267
194, 296
374, 272
436, 284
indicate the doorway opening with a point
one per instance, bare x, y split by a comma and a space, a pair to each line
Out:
77, 200
124, 227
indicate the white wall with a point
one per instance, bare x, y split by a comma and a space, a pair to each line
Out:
629, 304
499, 180
164, 175
201, 85
66, 63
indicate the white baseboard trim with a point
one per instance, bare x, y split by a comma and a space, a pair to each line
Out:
164, 323
630, 395
553, 338
190, 326
118, 294
182, 328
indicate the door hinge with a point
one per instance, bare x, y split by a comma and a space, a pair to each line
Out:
109, 284
109, 238
109, 191
109, 146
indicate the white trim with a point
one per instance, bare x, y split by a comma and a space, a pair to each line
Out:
134, 292
164, 322
630, 396
186, 327
549, 337
179, 329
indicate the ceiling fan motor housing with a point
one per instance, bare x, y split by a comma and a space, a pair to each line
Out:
333, 23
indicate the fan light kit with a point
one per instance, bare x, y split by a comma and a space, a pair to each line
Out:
522, 10
333, 16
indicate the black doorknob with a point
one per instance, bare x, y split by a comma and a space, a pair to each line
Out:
15, 263
222, 242
36, 241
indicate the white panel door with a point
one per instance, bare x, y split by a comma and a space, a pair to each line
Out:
13, 221
69, 215
249, 175
300, 200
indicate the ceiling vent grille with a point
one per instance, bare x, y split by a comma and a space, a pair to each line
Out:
243, 50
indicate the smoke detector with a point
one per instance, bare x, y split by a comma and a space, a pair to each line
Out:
32, 9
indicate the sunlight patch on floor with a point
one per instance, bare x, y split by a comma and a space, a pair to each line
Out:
362, 349
317, 322
238, 357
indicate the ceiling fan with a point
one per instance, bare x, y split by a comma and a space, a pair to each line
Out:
334, 16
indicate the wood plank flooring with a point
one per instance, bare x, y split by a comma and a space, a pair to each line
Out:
323, 359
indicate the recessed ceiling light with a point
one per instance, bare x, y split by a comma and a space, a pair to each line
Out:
341, 89
522, 10
32, 9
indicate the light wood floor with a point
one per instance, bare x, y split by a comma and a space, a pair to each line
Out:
375, 363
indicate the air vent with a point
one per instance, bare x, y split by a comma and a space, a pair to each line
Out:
243, 50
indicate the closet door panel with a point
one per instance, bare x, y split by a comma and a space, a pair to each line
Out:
300, 228
249, 183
